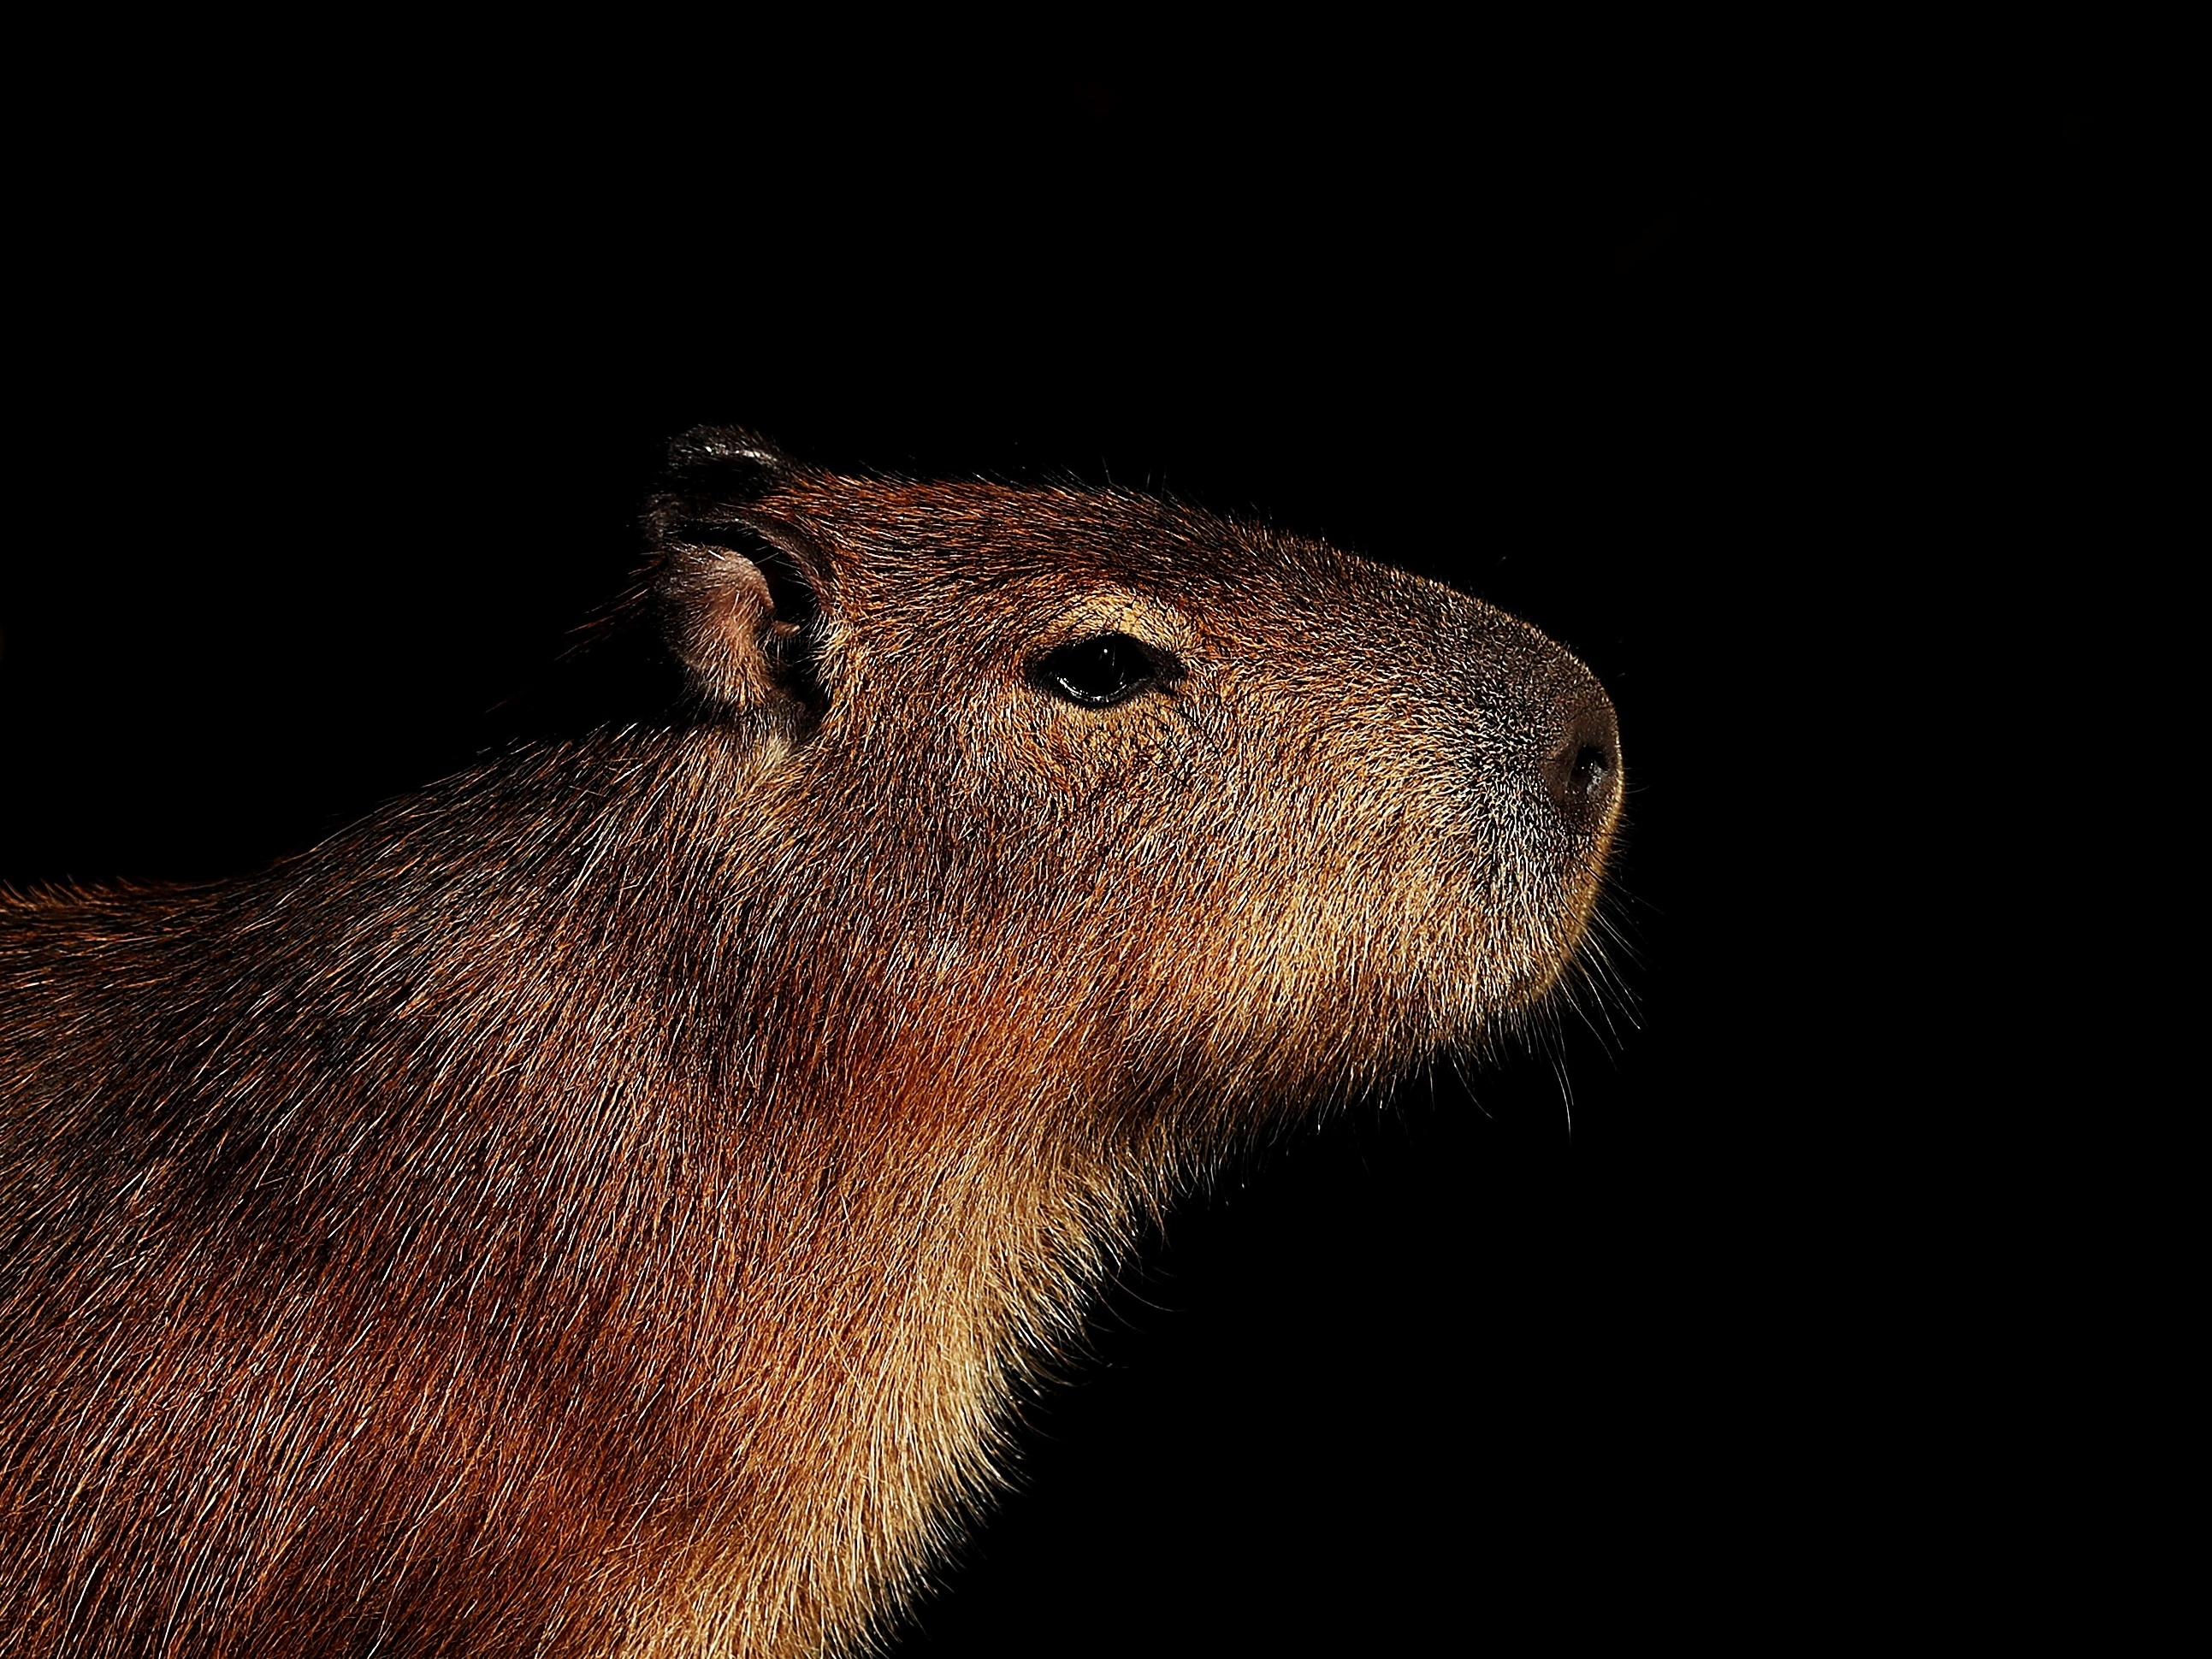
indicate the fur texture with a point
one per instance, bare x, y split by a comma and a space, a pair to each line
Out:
596, 1205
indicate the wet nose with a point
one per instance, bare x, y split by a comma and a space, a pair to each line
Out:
1581, 772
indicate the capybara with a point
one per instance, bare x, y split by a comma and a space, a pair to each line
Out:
601, 1203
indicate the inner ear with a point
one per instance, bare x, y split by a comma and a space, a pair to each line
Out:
789, 587
742, 612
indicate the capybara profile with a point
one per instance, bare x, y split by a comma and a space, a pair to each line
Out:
599, 1204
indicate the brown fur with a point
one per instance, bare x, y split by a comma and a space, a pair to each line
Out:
596, 1206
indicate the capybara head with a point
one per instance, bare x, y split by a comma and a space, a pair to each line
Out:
1222, 810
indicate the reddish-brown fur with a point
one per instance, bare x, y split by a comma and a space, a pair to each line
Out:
596, 1206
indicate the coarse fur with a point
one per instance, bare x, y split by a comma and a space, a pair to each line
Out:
599, 1204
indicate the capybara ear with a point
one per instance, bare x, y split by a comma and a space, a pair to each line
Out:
728, 461
739, 590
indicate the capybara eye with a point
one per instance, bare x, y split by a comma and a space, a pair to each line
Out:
1098, 673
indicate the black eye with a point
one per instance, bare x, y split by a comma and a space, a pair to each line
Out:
1099, 672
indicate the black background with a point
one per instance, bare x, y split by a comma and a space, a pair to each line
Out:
340, 418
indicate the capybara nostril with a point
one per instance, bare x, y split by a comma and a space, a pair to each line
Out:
1582, 774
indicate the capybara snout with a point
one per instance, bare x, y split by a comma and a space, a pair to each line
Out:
1558, 726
